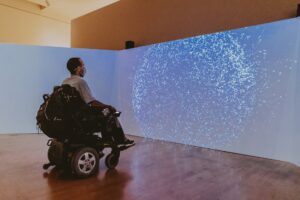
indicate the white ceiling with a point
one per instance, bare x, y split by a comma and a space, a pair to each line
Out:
63, 10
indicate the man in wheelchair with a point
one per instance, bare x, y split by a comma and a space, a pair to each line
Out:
71, 116
77, 70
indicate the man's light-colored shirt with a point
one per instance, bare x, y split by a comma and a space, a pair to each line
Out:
81, 86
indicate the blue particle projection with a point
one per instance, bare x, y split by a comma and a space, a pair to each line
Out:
199, 91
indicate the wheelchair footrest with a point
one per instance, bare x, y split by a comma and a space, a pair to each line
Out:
124, 147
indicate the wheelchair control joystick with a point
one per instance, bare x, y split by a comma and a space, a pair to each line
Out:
117, 114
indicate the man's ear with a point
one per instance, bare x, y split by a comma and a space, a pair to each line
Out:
75, 69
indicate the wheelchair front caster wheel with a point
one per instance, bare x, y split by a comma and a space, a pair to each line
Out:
85, 162
46, 166
111, 161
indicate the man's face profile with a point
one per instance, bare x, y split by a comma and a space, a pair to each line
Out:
80, 70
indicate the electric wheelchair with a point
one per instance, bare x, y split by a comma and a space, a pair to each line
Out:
78, 133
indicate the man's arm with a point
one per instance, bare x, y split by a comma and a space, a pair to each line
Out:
85, 91
100, 105
88, 97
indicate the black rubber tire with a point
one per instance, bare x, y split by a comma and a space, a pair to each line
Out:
85, 162
111, 161
55, 153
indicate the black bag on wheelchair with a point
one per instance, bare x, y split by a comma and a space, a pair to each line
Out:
64, 114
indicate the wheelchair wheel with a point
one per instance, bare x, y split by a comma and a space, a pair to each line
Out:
111, 160
85, 162
55, 153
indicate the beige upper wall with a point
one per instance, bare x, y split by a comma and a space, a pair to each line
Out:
22, 27
153, 21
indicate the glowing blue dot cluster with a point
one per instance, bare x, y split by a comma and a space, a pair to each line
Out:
199, 90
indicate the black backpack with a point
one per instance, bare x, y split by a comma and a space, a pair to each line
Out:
64, 114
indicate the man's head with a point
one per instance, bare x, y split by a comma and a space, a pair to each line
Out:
76, 66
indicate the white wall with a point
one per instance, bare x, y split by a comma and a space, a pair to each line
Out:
20, 26
28, 72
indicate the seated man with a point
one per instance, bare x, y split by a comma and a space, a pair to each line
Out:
77, 70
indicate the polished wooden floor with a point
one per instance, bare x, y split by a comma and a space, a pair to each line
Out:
152, 170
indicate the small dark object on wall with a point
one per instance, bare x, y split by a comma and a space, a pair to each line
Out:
129, 44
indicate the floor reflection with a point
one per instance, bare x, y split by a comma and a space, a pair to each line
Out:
104, 185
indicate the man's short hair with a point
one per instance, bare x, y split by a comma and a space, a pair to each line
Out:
72, 64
